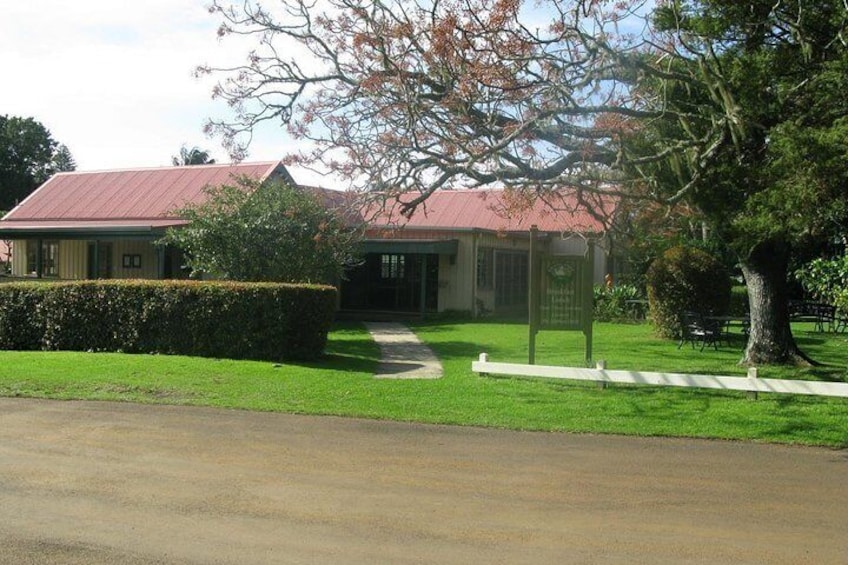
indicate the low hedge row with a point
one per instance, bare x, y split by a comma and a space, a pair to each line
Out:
210, 319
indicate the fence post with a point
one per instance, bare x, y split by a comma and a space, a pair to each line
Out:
753, 375
601, 365
484, 358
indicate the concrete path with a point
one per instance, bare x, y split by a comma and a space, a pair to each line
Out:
402, 355
96, 482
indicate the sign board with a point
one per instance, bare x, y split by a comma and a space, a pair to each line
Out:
561, 299
561, 296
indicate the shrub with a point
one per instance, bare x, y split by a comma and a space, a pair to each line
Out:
826, 280
21, 319
738, 300
266, 232
618, 303
841, 301
685, 279
213, 319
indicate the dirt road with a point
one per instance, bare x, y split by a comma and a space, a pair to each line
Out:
84, 482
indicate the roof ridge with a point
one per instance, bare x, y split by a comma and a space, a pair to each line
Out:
171, 168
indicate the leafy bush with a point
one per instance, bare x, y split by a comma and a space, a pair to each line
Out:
266, 232
826, 280
212, 319
616, 303
684, 279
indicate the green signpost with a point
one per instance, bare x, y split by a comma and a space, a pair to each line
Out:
560, 293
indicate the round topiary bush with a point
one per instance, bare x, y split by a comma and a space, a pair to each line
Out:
685, 279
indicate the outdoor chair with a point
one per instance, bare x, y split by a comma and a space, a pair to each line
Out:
697, 329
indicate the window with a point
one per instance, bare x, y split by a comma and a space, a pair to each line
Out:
32, 257
132, 261
392, 266
485, 268
511, 272
49, 258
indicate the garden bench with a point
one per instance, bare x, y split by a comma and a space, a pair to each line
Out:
818, 313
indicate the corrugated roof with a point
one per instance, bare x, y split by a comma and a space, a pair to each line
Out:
130, 194
148, 197
501, 211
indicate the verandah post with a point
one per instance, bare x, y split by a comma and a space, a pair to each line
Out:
533, 299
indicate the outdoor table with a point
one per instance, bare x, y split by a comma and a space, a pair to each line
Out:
729, 322
637, 308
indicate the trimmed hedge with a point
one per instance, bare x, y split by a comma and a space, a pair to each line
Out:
21, 315
739, 300
265, 321
685, 278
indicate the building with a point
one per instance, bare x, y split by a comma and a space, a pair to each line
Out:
102, 224
464, 250
468, 251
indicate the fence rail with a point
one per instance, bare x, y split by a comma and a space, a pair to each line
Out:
751, 383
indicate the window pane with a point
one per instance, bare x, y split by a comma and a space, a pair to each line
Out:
485, 266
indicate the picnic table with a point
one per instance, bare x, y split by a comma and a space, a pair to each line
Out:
730, 322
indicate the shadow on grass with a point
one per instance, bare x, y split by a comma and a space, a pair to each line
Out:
347, 356
806, 340
346, 363
459, 350
349, 349
436, 325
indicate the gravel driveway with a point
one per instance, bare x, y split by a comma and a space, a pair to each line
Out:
87, 482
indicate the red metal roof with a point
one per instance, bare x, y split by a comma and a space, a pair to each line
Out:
148, 197
131, 194
502, 211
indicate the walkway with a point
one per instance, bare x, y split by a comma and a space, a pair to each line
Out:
402, 355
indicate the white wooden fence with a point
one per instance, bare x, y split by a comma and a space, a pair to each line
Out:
600, 374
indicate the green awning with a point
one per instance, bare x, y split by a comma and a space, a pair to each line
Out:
410, 246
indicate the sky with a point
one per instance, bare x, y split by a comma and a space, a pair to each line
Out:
113, 79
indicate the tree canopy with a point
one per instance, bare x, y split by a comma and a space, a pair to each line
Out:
28, 156
265, 232
734, 110
759, 84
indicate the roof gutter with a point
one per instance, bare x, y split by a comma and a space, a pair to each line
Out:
59, 232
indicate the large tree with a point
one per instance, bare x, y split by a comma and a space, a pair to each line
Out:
734, 109
28, 156
266, 232
756, 90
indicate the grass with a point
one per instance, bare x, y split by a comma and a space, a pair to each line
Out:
342, 384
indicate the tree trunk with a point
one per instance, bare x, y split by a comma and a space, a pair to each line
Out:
770, 340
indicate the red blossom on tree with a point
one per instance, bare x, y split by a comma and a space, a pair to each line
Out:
419, 96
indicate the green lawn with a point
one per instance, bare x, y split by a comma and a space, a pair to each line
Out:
342, 384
